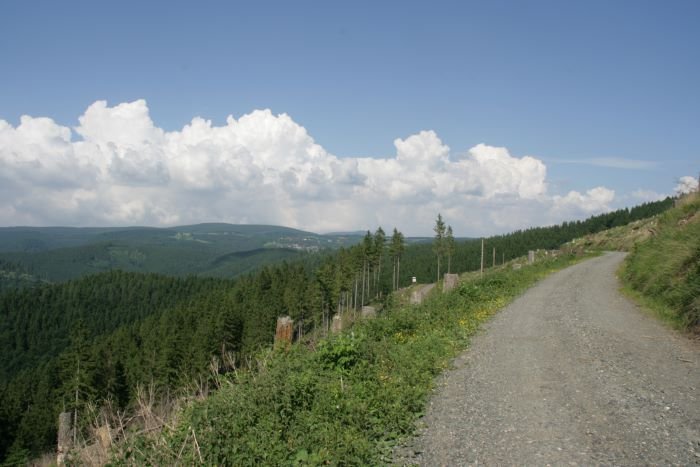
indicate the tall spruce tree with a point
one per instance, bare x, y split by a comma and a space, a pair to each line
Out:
77, 368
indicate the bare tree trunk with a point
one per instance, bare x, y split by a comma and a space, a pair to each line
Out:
75, 411
369, 282
355, 300
482, 256
398, 271
362, 302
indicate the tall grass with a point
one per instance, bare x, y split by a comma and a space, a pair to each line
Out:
348, 400
665, 269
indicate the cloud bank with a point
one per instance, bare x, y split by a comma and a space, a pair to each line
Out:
118, 168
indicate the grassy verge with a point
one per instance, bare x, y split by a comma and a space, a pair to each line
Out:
349, 400
664, 271
653, 307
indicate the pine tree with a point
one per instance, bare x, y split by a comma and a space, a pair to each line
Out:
77, 369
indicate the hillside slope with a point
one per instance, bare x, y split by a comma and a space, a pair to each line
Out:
622, 238
665, 268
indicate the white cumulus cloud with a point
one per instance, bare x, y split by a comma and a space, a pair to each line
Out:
574, 204
686, 184
117, 167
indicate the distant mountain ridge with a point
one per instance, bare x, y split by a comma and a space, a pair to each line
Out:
25, 238
208, 249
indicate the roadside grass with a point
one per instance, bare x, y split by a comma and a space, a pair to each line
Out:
664, 271
346, 402
648, 305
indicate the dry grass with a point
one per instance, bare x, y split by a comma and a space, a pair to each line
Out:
621, 238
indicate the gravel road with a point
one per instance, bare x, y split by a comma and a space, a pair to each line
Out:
570, 373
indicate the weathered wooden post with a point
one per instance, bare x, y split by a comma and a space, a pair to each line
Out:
530, 257
284, 332
450, 282
65, 440
494, 257
337, 324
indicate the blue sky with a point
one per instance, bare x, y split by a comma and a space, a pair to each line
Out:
604, 93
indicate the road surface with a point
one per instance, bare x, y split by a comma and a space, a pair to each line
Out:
570, 373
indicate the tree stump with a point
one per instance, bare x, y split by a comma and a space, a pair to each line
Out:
450, 282
65, 439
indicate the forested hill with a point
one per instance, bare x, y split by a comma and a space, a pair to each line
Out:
102, 335
36, 324
233, 236
15, 276
217, 250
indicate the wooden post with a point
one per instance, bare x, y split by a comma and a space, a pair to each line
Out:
494, 257
337, 324
284, 331
482, 256
64, 437
530, 257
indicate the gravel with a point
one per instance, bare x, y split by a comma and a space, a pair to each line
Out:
570, 373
